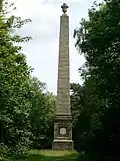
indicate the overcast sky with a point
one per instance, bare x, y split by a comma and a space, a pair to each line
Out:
42, 51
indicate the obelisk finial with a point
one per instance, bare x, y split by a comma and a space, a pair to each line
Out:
64, 7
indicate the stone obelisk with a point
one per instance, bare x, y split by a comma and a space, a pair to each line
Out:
63, 120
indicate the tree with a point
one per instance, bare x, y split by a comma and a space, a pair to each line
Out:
99, 38
14, 77
41, 115
87, 110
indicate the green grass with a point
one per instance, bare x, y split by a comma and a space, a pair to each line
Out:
52, 155
53, 152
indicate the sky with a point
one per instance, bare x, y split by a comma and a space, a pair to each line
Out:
42, 51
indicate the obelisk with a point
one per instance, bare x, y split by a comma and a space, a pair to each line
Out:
63, 120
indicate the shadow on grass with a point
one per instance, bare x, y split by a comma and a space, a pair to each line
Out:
88, 158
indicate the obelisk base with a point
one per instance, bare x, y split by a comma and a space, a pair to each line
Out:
63, 132
63, 145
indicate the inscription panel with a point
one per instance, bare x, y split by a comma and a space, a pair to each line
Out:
62, 131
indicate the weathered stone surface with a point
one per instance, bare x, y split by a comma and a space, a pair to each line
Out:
63, 115
63, 92
63, 144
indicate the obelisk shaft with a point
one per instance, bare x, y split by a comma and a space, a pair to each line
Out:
63, 90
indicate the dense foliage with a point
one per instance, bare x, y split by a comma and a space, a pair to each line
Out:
41, 115
26, 109
14, 76
98, 38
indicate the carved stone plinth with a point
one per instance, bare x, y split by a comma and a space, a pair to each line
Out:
63, 133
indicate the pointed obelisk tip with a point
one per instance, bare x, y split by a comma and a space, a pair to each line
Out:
64, 7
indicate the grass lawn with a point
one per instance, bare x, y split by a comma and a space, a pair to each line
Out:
52, 155
49, 155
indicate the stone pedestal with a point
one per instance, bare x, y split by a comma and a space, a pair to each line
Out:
63, 120
63, 133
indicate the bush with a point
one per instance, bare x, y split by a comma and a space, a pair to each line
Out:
18, 152
3, 150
